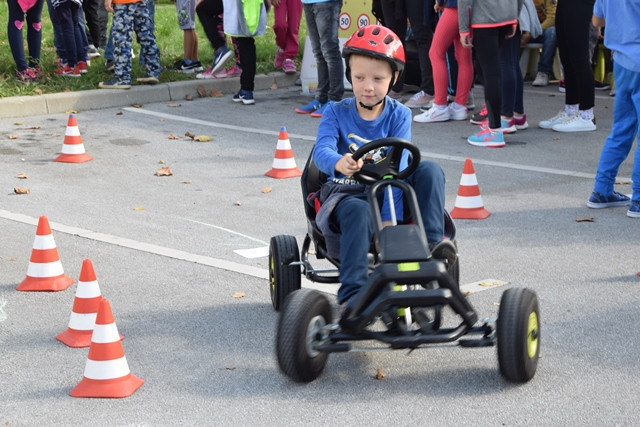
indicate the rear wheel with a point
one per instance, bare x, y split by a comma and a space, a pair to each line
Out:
518, 333
300, 328
284, 278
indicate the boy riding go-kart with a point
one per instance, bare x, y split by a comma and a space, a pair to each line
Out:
376, 212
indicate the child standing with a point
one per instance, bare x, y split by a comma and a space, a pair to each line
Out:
128, 17
286, 24
625, 46
67, 14
322, 28
26, 72
375, 57
189, 64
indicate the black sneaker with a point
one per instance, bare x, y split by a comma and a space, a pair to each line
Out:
598, 85
479, 118
244, 96
114, 83
148, 79
182, 67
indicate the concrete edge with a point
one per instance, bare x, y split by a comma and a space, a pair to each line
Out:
19, 106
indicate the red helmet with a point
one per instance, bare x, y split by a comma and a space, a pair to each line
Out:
376, 41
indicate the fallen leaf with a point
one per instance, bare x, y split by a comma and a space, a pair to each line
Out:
22, 175
466, 293
13, 258
136, 105
274, 86
230, 368
202, 138
21, 190
161, 162
55, 134
38, 91
165, 171
119, 113
189, 135
172, 136
556, 139
238, 203
585, 219
202, 91
13, 136
239, 295
173, 104
488, 284
188, 97
138, 208
379, 374
34, 127
18, 123
71, 112
266, 190
216, 94
186, 181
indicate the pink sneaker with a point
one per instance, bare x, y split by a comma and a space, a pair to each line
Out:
26, 76
288, 66
521, 122
206, 74
277, 62
234, 71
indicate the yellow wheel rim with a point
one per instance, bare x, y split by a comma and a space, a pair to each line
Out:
532, 335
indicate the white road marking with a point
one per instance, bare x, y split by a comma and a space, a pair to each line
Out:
225, 229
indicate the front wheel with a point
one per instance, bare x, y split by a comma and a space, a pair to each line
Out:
300, 328
284, 278
518, 333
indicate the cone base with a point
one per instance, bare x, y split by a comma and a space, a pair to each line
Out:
75, 339
113, 388
48, 284
73, 158
475, 213
284, 173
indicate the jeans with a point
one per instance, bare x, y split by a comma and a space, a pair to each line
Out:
108, 51
512, 85
67, 14
549, 45
624, 131
322, 28
34, 34
57, 33
352, 217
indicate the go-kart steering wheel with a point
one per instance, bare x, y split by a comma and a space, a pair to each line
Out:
390, 165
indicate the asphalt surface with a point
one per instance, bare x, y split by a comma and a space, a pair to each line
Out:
195, 310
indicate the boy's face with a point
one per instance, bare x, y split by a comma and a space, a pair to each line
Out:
370, 79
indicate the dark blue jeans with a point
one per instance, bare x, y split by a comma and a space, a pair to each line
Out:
352, 218
57, 33
67, 15
34, 34
549, 45
512, 85
322, 29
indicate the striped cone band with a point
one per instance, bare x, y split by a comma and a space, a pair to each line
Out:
469, 203
73, 149
284, 164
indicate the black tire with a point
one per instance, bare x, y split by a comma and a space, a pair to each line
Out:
518, 332
283, 278
300, 326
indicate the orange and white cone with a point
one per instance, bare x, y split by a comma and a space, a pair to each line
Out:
84, 311
469, 201
284, 164
106, 373
73, 148
45, 271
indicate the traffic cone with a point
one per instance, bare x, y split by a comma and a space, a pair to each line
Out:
106, 373
45, 271
284, 165
84, 311
73, 148
468, 201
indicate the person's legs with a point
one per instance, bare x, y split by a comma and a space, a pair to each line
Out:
487, 46
57, 32
509, 60
122, 26
210, 15
149, 49
421, 15
294, 15
549, 45
351, 216
428, 182
247, 48
15, 22
395, 18
90, 8
311, 17
465, 70
34, 33
326, 19
446, 32
67, 13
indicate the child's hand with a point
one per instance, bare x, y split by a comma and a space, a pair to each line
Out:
347, 166
107, 6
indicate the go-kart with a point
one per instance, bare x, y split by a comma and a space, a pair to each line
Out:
402, 304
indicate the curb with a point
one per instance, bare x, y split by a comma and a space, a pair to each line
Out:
54, 103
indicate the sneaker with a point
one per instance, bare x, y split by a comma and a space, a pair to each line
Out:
542, 79
558, 118
234, 71
288, 66
419, 100
194, 67
114, 83
481, 117
110, 65
434, 114
148, 79
598, 85
394, 95
318, 113
521, 122
598, 201
244, 96
277, 62
457, 112
68, 71
446, 251
310, 107
575, 124
93, 52
634, 209
562, 88
82, 66
220, 57
508, 126
206, 75
26, 76
487, 137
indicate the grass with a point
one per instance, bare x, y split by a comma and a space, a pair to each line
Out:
168, 38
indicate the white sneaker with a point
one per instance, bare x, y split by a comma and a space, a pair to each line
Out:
433, 114
542, 79
420, 100
550, 123
457, 113
575, 124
